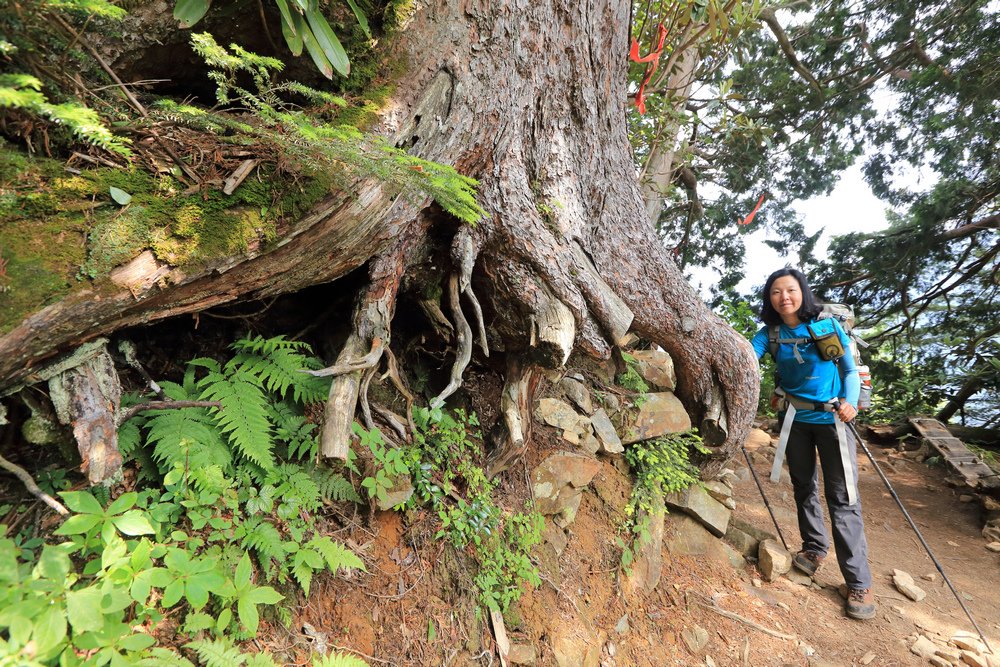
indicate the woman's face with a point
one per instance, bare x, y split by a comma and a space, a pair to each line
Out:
786, 297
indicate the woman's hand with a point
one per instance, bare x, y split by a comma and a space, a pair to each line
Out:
846, 412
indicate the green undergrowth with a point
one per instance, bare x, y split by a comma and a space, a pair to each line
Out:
444, 463
219, 536
660, 466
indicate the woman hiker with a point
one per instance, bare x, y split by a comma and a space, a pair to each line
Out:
818, 394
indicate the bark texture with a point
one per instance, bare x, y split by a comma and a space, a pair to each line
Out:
529, 98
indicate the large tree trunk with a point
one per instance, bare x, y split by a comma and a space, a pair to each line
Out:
527, 97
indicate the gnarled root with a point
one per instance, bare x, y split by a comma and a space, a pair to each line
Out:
463, 339
515, 406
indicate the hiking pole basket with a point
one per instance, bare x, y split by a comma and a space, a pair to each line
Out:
764, 496
885, 480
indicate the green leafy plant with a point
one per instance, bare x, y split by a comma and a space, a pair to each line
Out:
661, 466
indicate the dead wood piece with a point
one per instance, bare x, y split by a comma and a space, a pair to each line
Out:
714, 429
338, 416
442, 327
164, 405
393, 420
515, 406
392, 370
464, 340
366, 410
29, 484
127, 349
87, 397
237, 177
745, 621
553, 331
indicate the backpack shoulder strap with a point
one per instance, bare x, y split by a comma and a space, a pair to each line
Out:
772, 341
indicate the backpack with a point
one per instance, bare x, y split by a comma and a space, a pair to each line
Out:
845, 315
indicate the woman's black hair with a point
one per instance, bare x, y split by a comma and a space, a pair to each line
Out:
809, 309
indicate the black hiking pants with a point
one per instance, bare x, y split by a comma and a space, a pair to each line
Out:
804, 442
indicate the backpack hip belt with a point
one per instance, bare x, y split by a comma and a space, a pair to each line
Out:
791, 404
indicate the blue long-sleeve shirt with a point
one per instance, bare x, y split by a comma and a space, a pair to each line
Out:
814, 379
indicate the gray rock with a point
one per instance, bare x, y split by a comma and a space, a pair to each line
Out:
648, 564
557, 413
974, 659
967, 641
559, 482
939, 662
757, 439
658, 415
555, 536
773, 560
743, 542
923, 647
657, 368
590, 443
992, 530
994, 547
753, 531
622, 626
743, 474
728, 477
606, 432
687, 537
398, 494
522, 654
578, 393
718, 490
696, 502
696, 639
797, 577
904, 584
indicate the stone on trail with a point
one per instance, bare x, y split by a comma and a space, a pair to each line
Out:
994, 547
967, 641
949, 653
923, 647
657, 368
940, 662
974, 659
867, 658
696, 502
753, 531
606, 433
578, 393
718, 490
773, 560
930, 576
797, 577
696, 638
522, 654
966, 498
659, 414
559, 482
744, 543
905, 585
756, 439
992, 530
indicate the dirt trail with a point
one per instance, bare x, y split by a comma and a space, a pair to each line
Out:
951, 528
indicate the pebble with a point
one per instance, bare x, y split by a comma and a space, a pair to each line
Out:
967, 642
867, 658
954, 544
897, 609
940, 662
994, 547
974, 659
966, 498
923, 647
929, 577
904, 584
709, 662
757, 583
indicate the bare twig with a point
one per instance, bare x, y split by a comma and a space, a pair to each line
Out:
464, 340
768, 16
165, 405
746, 621
364, 363
29, 483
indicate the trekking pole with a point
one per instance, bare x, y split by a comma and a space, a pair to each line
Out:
885, 480
764, 496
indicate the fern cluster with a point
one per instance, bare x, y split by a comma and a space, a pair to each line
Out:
661, 466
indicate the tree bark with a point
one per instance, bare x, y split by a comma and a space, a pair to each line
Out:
527, 97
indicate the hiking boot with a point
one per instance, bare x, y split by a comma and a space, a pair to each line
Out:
860, 603
807, 561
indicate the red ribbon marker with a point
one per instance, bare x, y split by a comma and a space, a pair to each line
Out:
749, 218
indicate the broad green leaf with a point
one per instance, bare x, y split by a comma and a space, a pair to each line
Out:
225, 618
8, 561
264, 595
328, 41
50, 630
136, 642
82, 502
243, 571
360, 16
249, 617
133, 522
173, 593
120, 196
315, 52
126, 501
78, 524
189, 12
292, 36
196, 593
54, 564
83, 607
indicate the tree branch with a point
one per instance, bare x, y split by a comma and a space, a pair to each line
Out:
768, 16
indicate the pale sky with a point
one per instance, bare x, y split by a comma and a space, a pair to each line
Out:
850, 207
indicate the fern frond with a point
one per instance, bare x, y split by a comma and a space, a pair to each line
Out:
243, 415
260, 660
162, 657
187, 436
278, 364
295, 484
291, 428
333, 486
336, 554
304, 563
129, 439
265, 540
197, 621
217, 653
339, 660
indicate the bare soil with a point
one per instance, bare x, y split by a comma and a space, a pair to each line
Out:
416, 605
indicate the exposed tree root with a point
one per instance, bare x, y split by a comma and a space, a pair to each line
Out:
393, 420
392, 370
164, 405
437, 318
366, 410
366, 362
480, 325
29, 483
515, 406
463, 339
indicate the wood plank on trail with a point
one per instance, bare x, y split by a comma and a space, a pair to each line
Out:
956, 455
